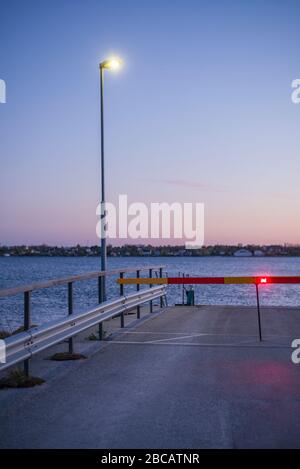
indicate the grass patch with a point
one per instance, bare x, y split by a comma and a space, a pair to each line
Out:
61, 356
96, 336
21, 329
4, 334
93, 337
18, 379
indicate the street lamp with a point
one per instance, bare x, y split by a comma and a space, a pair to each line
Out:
111, 64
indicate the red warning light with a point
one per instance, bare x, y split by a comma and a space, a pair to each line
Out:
263, 280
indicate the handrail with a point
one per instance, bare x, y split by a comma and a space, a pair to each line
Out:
65, 280
24, 345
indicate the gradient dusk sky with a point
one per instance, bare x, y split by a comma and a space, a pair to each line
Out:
201, 112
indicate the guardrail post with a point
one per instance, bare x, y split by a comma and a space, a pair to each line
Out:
70, 311
100, 300
258, 312
122, 319
102, 289
151, 302
100, 296
160, 276
26, 325
121, 284
100, 329
122, 294
138, 308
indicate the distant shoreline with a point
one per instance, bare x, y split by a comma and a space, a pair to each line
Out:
140, 250
152, 257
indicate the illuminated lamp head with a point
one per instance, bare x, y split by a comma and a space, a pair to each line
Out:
114, 63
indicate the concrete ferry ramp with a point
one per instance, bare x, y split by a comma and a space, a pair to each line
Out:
183, 378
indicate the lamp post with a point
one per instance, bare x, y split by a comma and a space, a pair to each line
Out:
110, 64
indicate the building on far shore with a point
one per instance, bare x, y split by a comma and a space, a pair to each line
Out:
243, 252
259, 253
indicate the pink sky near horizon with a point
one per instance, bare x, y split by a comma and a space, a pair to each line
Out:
68, 224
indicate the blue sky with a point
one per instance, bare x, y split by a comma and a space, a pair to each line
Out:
201, 112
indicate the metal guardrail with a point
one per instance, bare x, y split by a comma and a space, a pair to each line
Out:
27, 290
23, 346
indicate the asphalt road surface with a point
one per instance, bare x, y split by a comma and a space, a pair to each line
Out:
183, 378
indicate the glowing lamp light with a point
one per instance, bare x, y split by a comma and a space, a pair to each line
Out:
111, 64
263, 280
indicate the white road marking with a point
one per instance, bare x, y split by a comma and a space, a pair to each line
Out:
205, 333
258, 345
174, 338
